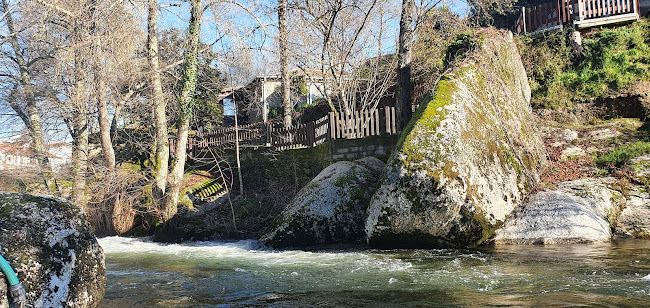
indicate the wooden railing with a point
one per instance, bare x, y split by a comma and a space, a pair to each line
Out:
589, 9
556, 13
360, 124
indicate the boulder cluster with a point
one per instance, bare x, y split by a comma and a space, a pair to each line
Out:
465, 171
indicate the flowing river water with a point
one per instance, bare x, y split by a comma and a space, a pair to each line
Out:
244, 274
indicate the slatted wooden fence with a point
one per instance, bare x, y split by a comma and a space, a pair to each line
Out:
359, 124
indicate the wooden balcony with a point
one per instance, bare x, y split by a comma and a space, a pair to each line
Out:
579, 14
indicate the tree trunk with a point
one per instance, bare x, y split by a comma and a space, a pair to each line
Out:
116, 217
79, 120
117, 111
161, 144
104, 123
80, 150
185, 106
404, 83
31, 118
283, 44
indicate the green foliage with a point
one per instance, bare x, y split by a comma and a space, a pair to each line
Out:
299, 86
461, 45
208, 113
499, 13
545, 59
303, 107
275, 113
613, 61
621, 155
5, 210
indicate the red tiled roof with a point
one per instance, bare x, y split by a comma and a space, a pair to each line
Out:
21, 150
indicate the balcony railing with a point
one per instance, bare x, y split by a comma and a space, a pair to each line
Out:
576, 13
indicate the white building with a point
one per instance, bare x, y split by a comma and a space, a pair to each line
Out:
19, 155
264, 94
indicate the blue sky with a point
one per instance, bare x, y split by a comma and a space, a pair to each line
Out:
243, 31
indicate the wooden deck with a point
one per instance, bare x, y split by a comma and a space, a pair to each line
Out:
579, 14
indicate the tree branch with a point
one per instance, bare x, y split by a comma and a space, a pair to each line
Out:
55, 7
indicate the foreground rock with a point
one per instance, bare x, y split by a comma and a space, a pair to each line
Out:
465, 161
50, 246
581, 211
330, 209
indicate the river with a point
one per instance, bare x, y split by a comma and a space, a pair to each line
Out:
244, 274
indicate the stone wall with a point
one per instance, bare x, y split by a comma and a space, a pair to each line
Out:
377, 146
335, 150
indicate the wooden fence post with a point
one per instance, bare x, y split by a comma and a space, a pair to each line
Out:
311, 132
387, 110
393, 120
332, 127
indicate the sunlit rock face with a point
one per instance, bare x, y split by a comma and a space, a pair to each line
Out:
331, 209
634, 219
53, 251
469, 156
581, 211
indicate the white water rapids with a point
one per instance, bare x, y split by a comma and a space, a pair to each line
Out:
244, 274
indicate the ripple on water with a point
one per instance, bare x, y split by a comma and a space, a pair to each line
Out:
245, 273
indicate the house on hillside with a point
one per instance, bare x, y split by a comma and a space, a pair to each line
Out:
19, 155
538, 16
263, 95
227, 98
59, 155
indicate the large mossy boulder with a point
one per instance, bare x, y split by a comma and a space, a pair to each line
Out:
55, 255
468, 157
331, 209
581, 211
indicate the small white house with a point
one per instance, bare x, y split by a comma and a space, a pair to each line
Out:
16, 156
264, 94
19, 155
59, 154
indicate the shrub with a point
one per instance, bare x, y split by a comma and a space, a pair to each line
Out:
622, 154
613, 61
460, 46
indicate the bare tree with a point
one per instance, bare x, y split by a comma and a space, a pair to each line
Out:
161, 147
20, 75
404, 83
348, 34
283, 46
408, 21
68, 26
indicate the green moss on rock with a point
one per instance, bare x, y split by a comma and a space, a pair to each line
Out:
462, 164
330, 209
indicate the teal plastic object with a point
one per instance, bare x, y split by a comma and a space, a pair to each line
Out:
8, 271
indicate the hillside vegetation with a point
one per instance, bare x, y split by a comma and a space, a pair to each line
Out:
612, 63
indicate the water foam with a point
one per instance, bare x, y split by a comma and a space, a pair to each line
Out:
251, 251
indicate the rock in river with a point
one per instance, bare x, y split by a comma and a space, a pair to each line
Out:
467, 158
581, 211
331, 208
49, 244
